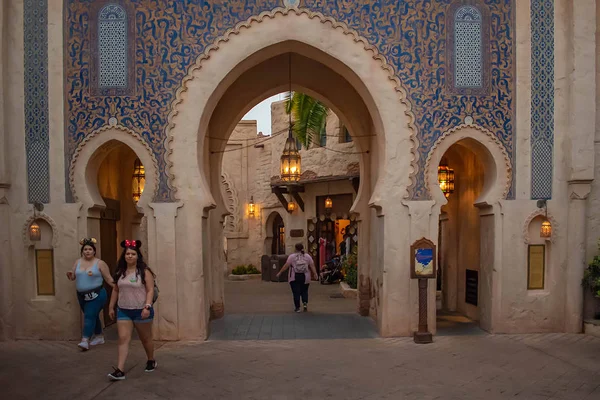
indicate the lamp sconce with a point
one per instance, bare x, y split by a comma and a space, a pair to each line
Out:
446, 179
546, 229
251, 207
291, 206
328, 203
35, 232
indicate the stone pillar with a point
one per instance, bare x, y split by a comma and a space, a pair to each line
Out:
422, 224
576, 227
163, 261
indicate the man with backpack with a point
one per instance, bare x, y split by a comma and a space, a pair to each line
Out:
302, 268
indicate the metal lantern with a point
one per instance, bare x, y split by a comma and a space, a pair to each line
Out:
546, 229
251, 207
138, 180
328, 203
291, 206
35, 233
446, 179
290, 161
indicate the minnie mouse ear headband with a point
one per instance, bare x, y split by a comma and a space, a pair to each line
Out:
86, 241
131, 244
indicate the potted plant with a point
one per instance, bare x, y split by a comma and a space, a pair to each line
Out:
591, 279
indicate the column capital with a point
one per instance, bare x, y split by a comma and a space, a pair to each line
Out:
579, 189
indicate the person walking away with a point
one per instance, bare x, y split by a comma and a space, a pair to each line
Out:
89, 274
302, 267
133, 295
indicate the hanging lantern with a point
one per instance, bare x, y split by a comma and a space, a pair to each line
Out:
291, 206
290, 161
328, 203
446, 179
251, 207
138, 180
35, 233
546, 229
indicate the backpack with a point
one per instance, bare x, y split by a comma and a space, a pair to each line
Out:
300, 266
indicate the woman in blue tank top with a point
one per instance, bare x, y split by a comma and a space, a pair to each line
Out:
89, 274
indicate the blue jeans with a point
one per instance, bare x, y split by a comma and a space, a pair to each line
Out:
91, 311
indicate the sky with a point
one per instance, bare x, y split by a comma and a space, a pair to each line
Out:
262, 113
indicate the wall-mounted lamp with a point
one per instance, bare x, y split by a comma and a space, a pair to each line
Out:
291, 206
446, 179
546, 229
251, 207
35, 233
138, 180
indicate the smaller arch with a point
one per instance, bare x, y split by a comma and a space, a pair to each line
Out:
536, 214
492, 153
93, 148
273, 217
49, 220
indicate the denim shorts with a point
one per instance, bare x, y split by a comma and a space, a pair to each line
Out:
134, 315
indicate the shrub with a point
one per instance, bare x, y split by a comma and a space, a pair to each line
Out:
251, 269
239, 270
591, 276
350, 269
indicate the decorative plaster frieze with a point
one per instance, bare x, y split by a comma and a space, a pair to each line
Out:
531, 217
231, 222
272, 14
49, 220
488, 140
103, 131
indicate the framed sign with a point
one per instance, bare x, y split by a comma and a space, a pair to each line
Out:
422, 259
536, 265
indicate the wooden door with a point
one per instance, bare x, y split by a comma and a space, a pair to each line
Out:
109, 245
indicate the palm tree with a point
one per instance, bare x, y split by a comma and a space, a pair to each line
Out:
310, 117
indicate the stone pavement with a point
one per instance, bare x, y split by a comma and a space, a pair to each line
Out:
462, 363
532, 367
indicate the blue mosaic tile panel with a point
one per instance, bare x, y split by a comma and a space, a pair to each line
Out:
170, 35
542, 98
37, 140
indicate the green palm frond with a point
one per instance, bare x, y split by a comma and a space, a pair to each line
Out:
310, 117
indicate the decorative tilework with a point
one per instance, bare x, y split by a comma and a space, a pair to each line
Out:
411, 34
468, 67
37, 141
112, 46
542, 98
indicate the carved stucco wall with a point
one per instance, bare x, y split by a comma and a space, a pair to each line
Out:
409, 34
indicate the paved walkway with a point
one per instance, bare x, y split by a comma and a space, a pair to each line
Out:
531, 367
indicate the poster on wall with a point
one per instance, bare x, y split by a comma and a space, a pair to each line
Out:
422, 259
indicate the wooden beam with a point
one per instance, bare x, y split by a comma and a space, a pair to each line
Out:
279, 194
298, 199
355, 184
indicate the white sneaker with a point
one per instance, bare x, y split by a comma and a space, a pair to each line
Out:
84, 345
97, 340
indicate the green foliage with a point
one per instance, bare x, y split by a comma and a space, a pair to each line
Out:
249, 269
350, 268
591, 276
310, 117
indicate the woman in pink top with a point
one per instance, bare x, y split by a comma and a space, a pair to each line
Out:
302, 268
133, 293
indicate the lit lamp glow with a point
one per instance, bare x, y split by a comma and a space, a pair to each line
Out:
546, 229
35, 233
290, 161
446, 179
251, 207
328, 203
291, 206
138, 180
